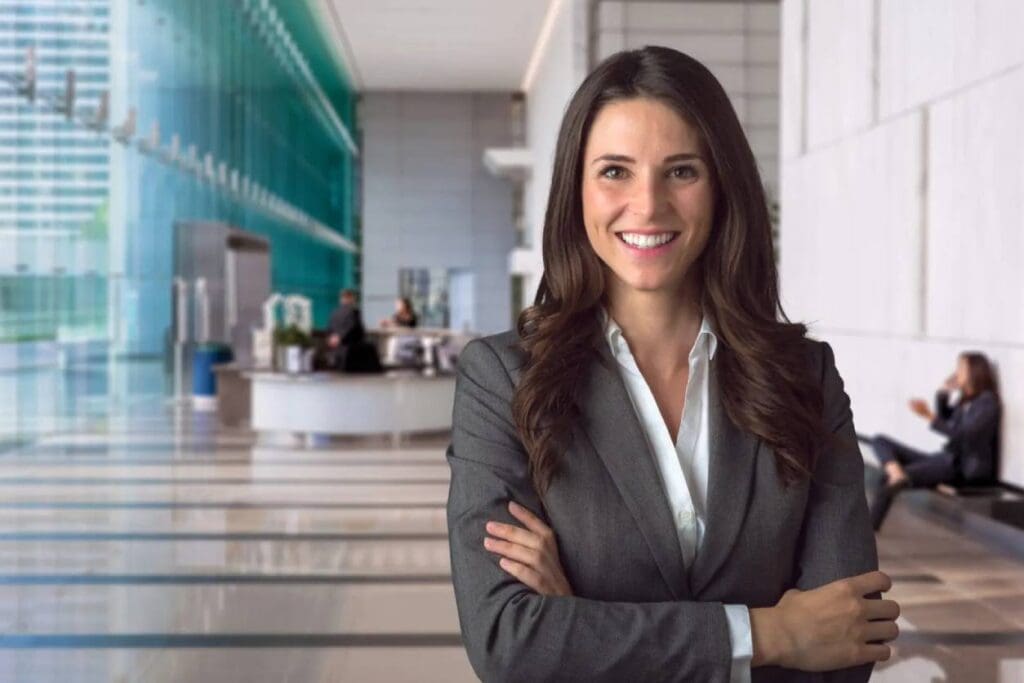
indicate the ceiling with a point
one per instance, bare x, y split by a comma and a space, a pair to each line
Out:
447, 45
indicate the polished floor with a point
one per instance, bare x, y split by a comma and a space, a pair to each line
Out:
162, 548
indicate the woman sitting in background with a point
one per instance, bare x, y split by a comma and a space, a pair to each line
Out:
967, 410
404, 315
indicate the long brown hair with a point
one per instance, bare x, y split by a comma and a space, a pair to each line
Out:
980, 375
762, 365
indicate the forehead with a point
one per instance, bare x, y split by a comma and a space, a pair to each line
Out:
638, 124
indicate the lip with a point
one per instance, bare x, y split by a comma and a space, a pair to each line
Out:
650, 252
647, 232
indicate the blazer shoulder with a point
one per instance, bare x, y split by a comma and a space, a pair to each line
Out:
821, 360
833, 388
989, 403
494, 352
988, 396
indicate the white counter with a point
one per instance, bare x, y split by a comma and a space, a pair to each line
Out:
349, 404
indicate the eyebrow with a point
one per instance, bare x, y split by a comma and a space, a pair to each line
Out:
684, 156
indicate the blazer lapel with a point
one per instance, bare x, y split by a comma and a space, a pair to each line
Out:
617, 437
732, 461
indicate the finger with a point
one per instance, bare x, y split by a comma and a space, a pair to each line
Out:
873, 653
532, 521
881, 609
513, 551
525, 574
872, 582
515, 534
882, 631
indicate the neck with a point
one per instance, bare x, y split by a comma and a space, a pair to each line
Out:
660, 326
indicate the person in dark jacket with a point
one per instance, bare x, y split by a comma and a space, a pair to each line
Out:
346, 328
971, 423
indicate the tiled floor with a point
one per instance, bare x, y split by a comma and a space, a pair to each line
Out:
962, 603
160, 549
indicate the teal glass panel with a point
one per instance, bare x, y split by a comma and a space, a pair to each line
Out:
252, 123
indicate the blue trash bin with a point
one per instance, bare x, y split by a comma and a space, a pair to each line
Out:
204, 381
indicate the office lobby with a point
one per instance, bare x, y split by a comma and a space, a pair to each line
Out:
196, 484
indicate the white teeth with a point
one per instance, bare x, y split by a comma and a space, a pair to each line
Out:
646, 241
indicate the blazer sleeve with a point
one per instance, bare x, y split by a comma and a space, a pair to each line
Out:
837, 541
943, 410
514, 634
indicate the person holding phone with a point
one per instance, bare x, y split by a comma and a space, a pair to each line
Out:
967, 411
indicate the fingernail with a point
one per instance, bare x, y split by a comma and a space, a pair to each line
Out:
512, 505
487, 542
490, 526
503, 562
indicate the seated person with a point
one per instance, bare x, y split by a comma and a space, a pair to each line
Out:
971, 423
404, 315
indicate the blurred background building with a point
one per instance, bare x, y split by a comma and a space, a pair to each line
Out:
168, 166
122, 119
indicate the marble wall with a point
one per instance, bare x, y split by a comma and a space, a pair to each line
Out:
902, 173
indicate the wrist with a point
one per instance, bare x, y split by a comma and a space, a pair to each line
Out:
766, 636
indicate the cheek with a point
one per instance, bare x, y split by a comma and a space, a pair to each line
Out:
695, 205
599, 205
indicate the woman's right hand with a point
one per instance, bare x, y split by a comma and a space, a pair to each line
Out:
831, 627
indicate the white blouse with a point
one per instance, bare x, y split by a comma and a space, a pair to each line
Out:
683, 465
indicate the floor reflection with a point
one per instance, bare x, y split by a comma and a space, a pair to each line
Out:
149, 545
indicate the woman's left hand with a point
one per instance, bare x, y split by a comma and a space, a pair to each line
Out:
530, 554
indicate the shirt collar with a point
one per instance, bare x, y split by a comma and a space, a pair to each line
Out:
613, 335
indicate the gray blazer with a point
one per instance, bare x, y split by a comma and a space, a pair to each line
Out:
638, 613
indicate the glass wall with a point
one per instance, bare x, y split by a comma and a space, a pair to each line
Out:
120, 118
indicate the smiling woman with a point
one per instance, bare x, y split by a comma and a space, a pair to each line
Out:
656, 475
647, 212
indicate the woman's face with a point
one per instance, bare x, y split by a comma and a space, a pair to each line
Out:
963, 375
648, 200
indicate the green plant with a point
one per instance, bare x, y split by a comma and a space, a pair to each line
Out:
292, 335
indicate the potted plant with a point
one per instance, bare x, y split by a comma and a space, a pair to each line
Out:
290, 344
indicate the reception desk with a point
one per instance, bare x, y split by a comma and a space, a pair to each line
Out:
324, 403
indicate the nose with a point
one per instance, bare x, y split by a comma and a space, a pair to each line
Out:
647, 198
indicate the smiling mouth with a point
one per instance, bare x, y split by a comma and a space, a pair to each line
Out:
646, 241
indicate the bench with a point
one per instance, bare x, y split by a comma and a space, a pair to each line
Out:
993, 515
1001, 502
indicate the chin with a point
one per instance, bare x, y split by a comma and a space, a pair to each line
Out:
648, 282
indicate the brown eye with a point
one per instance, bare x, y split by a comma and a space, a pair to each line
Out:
684, 172
613, 172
